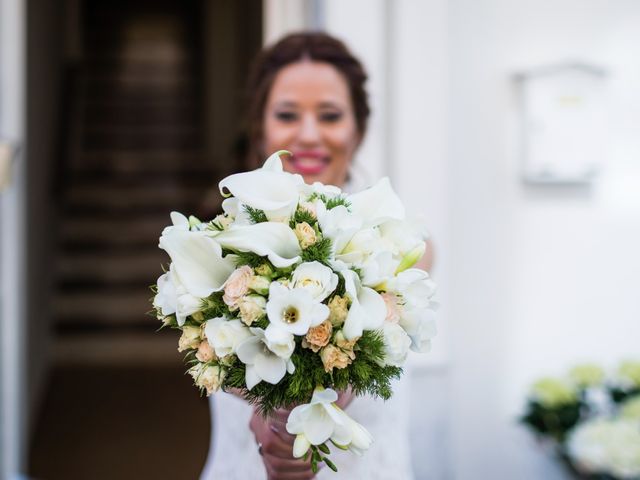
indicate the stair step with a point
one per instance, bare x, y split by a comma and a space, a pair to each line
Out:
120, 231
128, 268
133, 115
141, 138
140, 162
160, 194
103, 307
142, 89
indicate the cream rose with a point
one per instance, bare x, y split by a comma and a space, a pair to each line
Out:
338, 309
305, 234
259, 284
252, 308
190, 338
333, 357
318, 337
205, 353
237, 286
209, 377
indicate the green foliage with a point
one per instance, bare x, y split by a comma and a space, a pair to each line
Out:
301, 216
255, 215
330, 202
251, 259
319, 251
213, 306
555, 422
364, 376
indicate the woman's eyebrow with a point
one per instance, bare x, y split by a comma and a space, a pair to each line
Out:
285, 103
329, 104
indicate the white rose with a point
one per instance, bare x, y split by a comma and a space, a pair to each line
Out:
190, 338
396, 344
252, 308
225, 335
318, 279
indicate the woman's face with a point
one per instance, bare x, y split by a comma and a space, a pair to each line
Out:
309, 113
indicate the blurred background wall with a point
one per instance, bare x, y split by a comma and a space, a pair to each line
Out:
532, 278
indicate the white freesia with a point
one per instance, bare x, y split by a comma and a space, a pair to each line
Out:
321, 420
415, 287
262, 363
318, 279
396, 344
367, 311
294, 310
269, 189
225, 335
279, 341
197, 260
377, 204
274, 240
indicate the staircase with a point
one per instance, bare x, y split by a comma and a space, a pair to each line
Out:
135, 153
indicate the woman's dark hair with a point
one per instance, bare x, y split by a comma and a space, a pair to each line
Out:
315, 46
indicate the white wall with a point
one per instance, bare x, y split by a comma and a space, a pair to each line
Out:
541, 278
12, 236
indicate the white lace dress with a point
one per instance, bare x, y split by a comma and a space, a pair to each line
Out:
233, 453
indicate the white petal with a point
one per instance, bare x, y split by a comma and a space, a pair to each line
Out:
274, 162
270, 368
319, 426
377, 204
197, 260
179, 220
249, 349
374, 307
274, 240
296, 419
251, 378
328, 395
264, 189
300, 446
319, 314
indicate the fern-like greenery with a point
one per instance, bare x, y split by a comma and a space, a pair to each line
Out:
251, 259
364, 376
301, 216
330, 202
213, 306
319, 251
255, 215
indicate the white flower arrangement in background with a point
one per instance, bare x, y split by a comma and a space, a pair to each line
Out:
593, 420
302, 287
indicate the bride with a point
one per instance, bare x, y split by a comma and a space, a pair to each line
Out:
308, 97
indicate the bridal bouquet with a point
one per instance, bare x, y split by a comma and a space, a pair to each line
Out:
295, 292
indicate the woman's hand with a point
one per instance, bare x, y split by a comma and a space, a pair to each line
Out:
277, 447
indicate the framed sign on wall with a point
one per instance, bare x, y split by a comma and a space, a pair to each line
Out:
562, 111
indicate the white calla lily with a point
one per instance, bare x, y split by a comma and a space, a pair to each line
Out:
261, 363
377, 204
269, 189
274, 162
173, 298
197, 260
294, 310
274, 240
321, 420
367, 311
